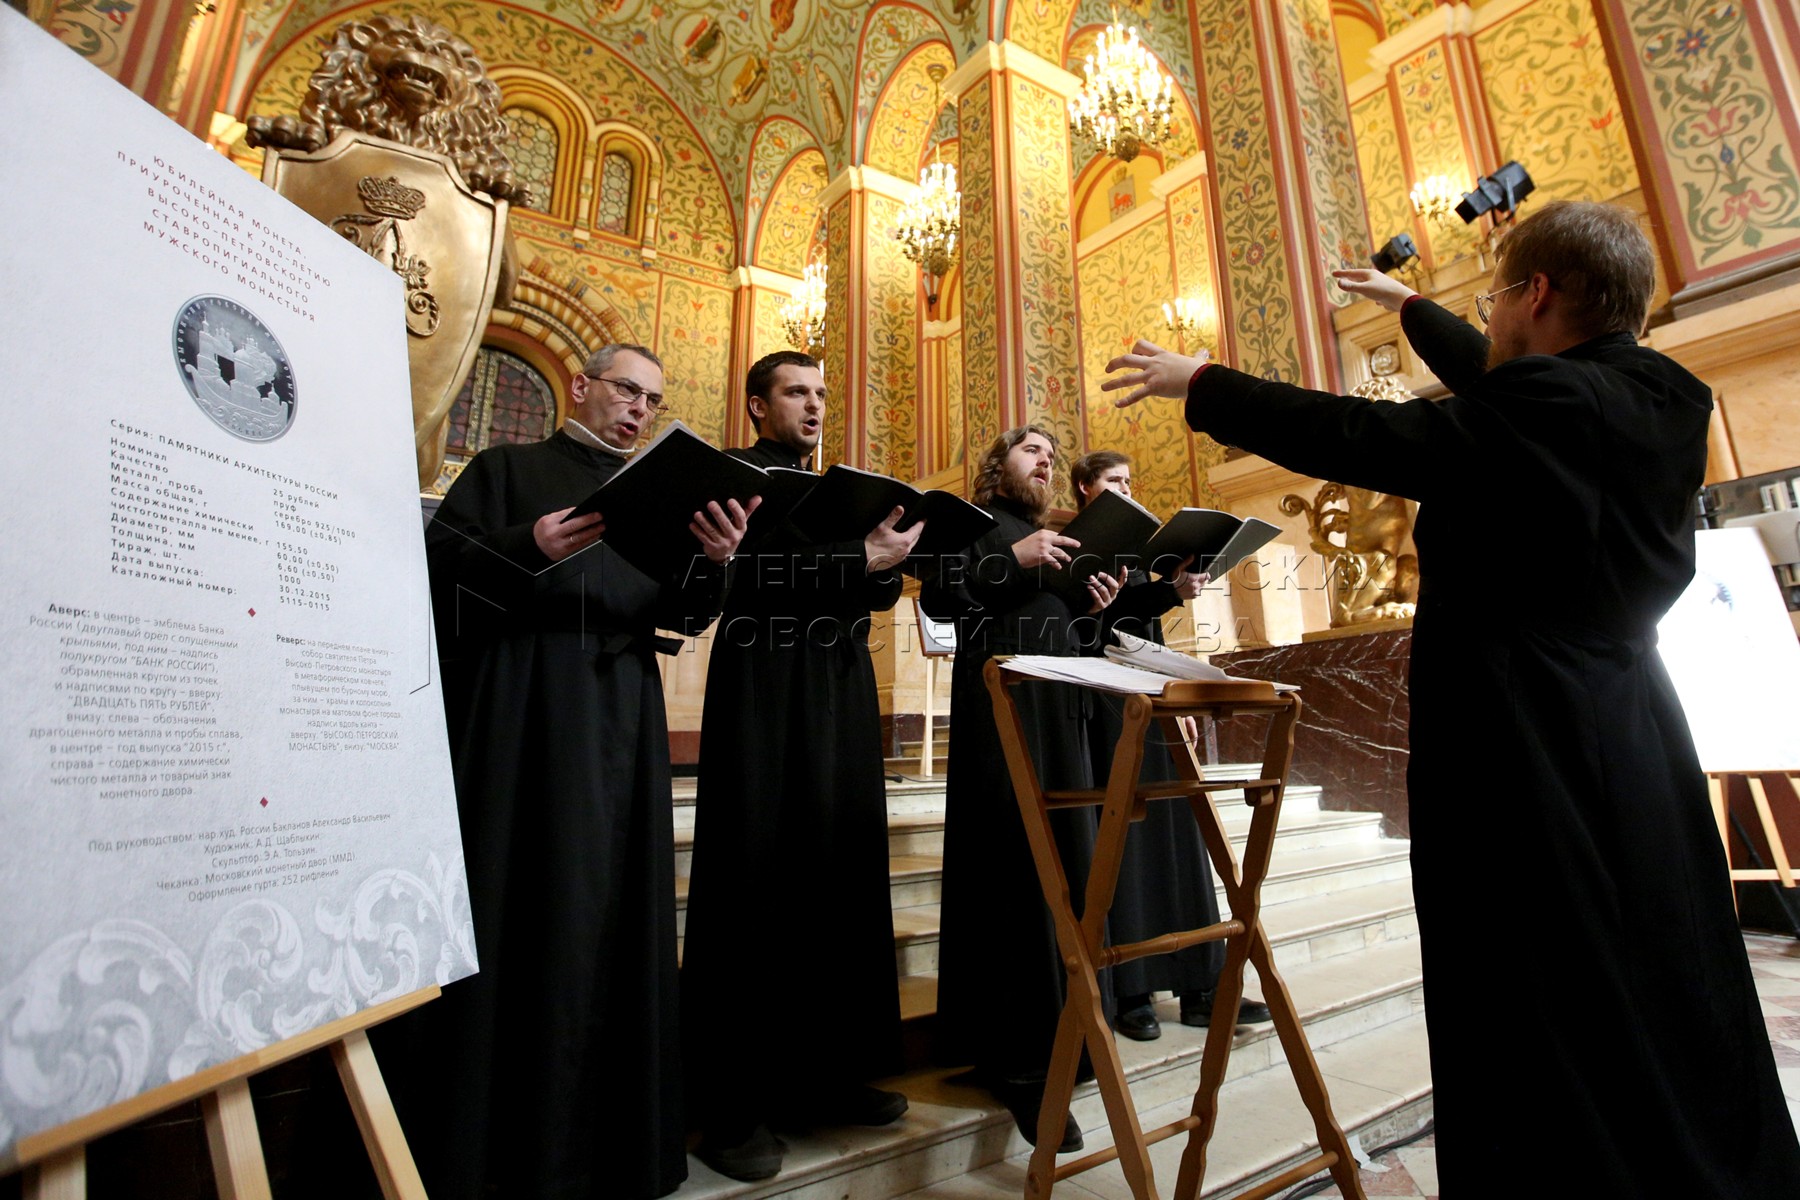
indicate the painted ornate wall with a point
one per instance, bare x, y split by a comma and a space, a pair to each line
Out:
1717, 118
784, 237
1122, 287
1340, 225
1258, 299
889, 397
1383, 172
1436, 140
1046, 259
1553, 102
980, 261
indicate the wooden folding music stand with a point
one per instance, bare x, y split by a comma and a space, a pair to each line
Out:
1083, 1021
56, 1159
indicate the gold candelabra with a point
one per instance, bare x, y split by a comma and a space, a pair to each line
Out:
1434, 198
803, 313
931, 223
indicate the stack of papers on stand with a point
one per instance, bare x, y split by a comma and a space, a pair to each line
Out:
1134, 667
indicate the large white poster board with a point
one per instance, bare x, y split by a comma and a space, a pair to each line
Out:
228, 815
1732, 655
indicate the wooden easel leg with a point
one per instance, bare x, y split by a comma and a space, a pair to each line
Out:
237, 1156
63, 1177
375, 1117
1784, 872
1716, 789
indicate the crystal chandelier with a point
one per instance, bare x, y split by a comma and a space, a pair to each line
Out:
803, 313
929, 225
1125, 99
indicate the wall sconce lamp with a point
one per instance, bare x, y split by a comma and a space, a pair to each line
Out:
1433, 198
1189, 320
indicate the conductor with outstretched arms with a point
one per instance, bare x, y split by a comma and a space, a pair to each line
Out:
1558, 809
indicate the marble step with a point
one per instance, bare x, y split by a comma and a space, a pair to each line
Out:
1306, 929
956, 1142
915, 872
916, 826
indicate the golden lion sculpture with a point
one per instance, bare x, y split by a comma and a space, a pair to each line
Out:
409, 81
1370, 578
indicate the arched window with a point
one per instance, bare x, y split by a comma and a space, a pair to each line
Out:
505, 399
533, 153
614, 213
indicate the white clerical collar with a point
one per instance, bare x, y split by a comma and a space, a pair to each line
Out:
588, 437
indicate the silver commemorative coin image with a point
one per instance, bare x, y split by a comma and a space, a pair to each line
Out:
235, 370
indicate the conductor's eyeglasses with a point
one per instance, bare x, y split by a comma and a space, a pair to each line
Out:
632, 392
1484, 302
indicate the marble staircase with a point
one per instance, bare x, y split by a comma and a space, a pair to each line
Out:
1338, 909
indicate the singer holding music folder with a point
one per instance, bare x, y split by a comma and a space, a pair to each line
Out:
556, 1070
790, 827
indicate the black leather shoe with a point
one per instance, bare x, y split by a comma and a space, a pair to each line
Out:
756, 1157
1139, 1024
861, 1104
1023, 1100
1196, 1009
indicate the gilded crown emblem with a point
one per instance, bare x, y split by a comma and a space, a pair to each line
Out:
390, 198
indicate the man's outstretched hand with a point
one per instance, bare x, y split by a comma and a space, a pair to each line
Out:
1151, 371
1384, 290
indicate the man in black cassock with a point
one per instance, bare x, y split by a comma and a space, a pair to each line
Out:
1546, 737
556, 1070
1001, 981
1165, 881
790, 836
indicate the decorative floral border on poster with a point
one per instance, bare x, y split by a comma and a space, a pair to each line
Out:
693, 338
1123, 285
1719, 124
106, 1013
1551, 97
1040, 155
980, 255
833, 448
1256, 268
891, 396
1340, 222
98, 30
695, 204
1434, 135
784, 239
1383, 173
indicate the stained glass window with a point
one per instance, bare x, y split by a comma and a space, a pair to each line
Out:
533, 154
615, 193
504, 400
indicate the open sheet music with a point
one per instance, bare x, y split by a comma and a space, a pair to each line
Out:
1134, 667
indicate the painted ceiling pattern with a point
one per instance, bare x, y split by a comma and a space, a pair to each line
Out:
728, 68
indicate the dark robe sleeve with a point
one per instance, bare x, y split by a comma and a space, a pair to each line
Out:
1418, 449
471, 544
987, 576
1455, 350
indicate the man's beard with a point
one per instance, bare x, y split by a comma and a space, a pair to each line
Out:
1018, 486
